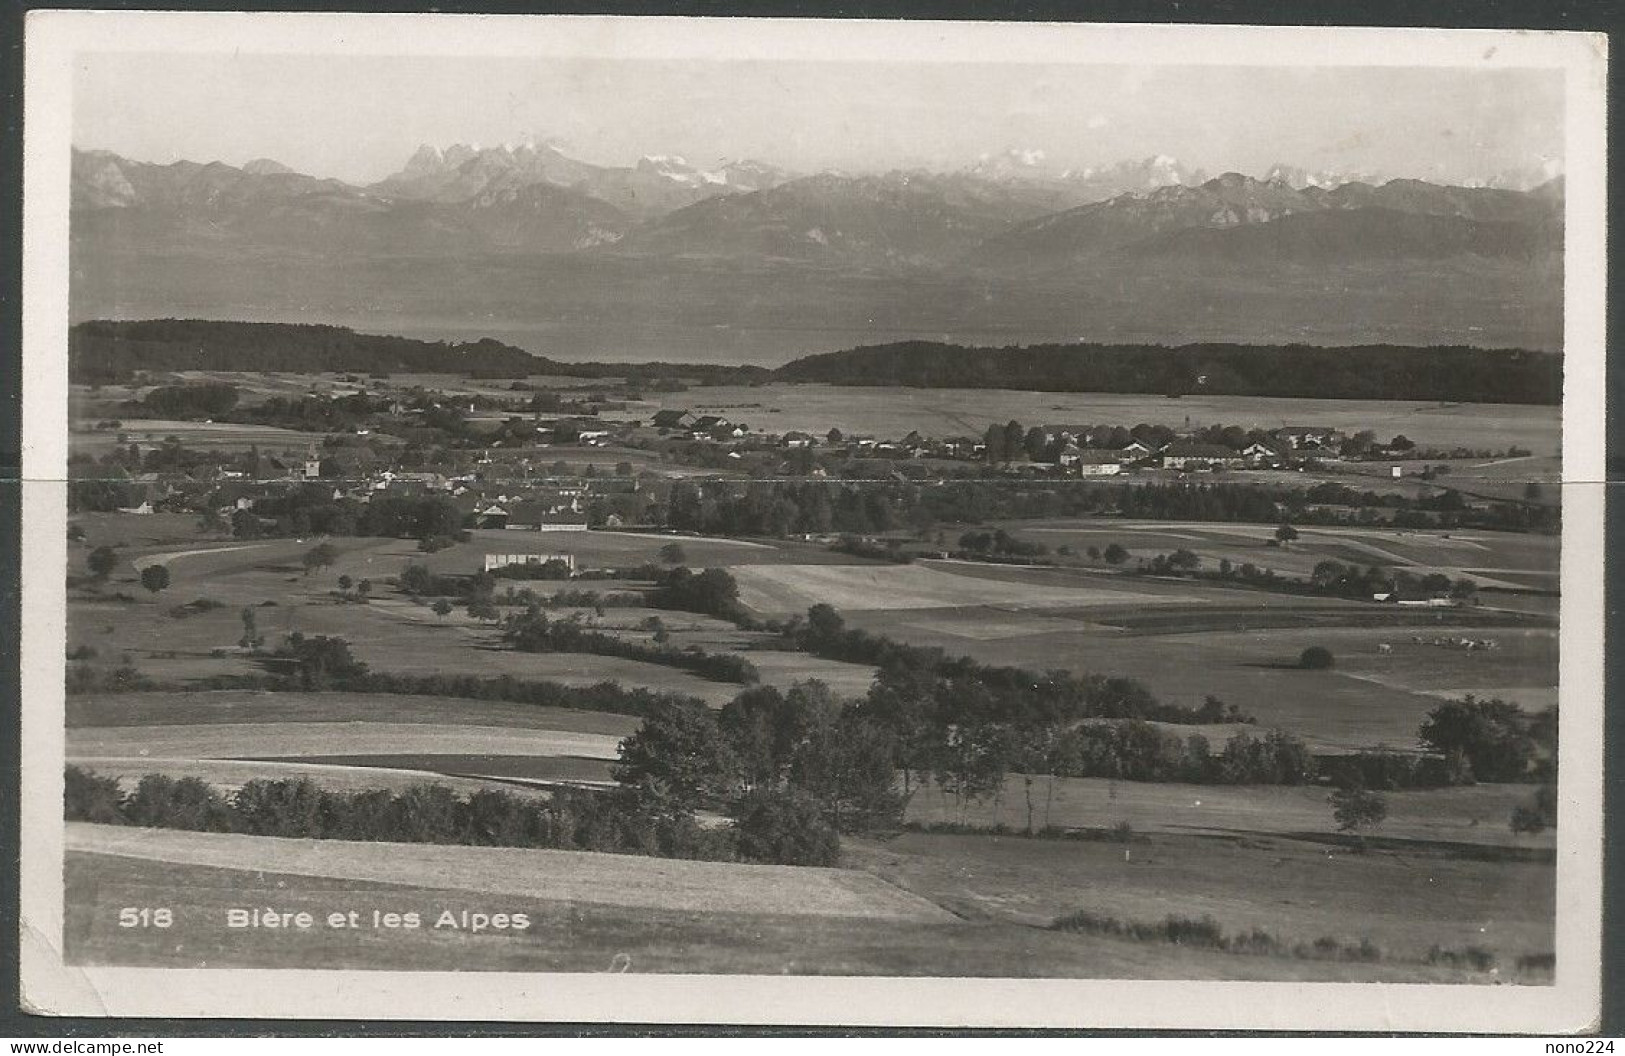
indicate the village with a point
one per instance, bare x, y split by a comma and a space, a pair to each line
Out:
514, 463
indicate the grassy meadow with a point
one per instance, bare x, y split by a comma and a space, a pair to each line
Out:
1442, 870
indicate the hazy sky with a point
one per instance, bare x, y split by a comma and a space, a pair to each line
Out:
358, 118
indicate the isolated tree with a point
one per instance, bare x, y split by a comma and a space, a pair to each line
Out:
345, 583
1115, 554
441, 608
320, 556
993, 444
824, 623
1497, 738
322, 661
674, 554
679, 752
102, 561
252, 638
1355, 810
155, 578
1316, 658
1285, 534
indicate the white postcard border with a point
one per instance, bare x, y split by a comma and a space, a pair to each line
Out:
49, 987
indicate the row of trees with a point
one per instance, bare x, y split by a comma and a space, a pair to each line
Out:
871, 507
911, 675
533, 632
568, 819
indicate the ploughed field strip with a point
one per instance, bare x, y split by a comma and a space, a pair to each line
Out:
317, 739
566, 876
792, 588
346, 754
368, 774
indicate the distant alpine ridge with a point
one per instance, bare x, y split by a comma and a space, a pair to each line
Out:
534, 240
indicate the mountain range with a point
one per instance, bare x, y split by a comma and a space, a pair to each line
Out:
596, 259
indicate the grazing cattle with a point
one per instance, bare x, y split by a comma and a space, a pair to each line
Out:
1384, 647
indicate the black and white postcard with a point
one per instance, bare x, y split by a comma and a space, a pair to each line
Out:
754, 521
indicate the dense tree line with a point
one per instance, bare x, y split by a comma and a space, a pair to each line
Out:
201, 400
786, 507
109, 350
793, 769
912, 677
310, 509
620, 821
713, 592
534, 632
1363, 372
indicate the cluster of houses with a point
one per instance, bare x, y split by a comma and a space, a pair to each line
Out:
1073, 452
503, 495
548, 504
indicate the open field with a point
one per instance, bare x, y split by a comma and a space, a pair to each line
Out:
580, 877
211, 436
235, 706
577, 936
892, 412
1186, 639
1370, 698
342, 741
793, 588
293, 739
1443, 868
122, 529
371, 775
1404, 901
1485, 556
1465, 815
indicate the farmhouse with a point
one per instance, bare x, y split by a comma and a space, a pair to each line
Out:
1260, 453
673, 419
1135, 450
496, 561
1095, 463
1189, 454
492, 516
1312, 437
534, 516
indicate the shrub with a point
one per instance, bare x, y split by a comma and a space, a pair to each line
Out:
1185, 931
1355, 809
155, 578
786, 827
164, 802
1537, 815
1316, 658
279, 808
90, 797
102, 561
1475, 957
